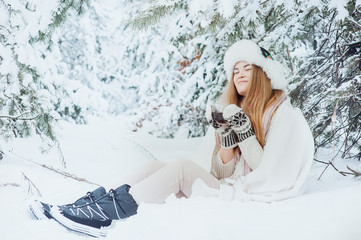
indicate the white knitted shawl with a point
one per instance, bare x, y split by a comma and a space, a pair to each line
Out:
285, 164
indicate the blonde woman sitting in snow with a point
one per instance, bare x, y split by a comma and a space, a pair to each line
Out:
258, 148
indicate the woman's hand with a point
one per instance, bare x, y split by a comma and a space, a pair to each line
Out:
238, 121
215, 117
227, 135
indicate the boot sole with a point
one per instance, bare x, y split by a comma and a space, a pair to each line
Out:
77, 227
38, 210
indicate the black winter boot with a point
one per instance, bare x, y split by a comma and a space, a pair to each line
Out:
89, 197
91, 218
42, 210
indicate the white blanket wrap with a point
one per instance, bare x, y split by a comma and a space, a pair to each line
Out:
287, 159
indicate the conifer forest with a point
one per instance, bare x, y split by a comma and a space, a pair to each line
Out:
161, 62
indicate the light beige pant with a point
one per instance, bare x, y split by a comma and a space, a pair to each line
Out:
154, 181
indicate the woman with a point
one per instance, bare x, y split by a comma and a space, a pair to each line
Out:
260, 149
266, 150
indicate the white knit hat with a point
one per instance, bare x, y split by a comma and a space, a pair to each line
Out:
249, 51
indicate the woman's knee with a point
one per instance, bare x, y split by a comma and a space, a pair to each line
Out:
181, 163
154, 164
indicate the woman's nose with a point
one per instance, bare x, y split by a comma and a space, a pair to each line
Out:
241, 74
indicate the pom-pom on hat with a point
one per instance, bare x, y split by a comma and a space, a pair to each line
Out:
249, 51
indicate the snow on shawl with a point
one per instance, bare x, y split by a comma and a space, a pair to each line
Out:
286, 161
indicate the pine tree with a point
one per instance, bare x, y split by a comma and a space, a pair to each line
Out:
319, 41
96, 59
205, 29
329, 85
27, 85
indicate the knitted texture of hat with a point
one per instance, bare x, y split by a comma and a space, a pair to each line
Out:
249, 51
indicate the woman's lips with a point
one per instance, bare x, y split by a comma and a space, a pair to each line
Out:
241, 81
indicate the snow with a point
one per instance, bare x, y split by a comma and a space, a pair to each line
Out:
104, 151
340, 5
148, 83
226, 7
8, 66
3, 16
200, 6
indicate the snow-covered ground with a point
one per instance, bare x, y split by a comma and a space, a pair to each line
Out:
102, 152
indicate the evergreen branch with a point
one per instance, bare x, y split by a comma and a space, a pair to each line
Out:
264, 2
150, 17
228, 27
19, 117
352, 20
11, 99
60, 16
325, 61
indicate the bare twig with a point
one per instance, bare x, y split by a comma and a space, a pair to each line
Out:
343, 173
320, 161
323, 171
10, 184
357, 173
289, 58
31, 187
62, 158
2, 26
143, 150
63, 173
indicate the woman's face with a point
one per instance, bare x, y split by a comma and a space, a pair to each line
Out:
241, 76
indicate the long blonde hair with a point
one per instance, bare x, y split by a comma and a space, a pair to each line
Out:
260, 96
